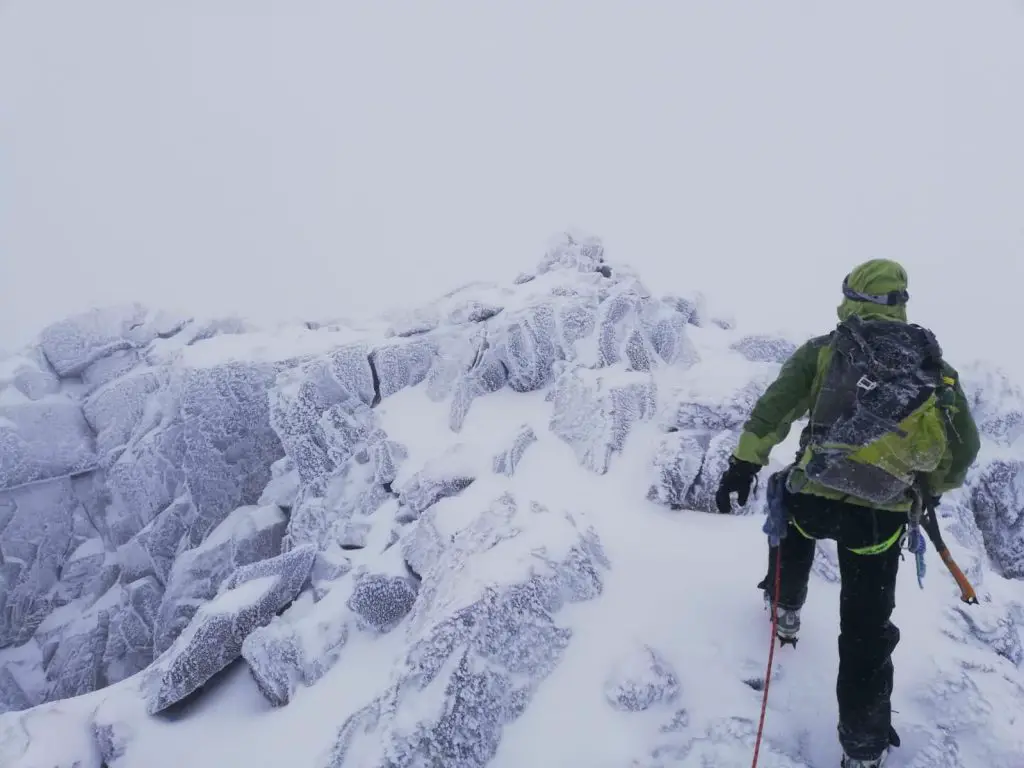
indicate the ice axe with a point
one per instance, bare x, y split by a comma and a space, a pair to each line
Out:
930, 523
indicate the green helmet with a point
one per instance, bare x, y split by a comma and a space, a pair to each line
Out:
876, 288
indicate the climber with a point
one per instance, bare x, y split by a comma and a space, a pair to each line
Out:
870, 438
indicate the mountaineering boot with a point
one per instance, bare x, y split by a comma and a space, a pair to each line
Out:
851, 762
789, 622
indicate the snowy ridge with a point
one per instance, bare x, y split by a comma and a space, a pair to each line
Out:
470, 535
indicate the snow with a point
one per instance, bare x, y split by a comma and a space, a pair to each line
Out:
484, 543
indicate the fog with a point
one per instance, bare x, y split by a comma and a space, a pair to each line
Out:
297, 159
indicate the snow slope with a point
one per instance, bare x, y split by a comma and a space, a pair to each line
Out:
473, 534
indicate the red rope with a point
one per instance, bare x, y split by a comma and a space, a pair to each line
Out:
771, 652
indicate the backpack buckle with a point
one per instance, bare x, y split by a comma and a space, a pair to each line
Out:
866, 384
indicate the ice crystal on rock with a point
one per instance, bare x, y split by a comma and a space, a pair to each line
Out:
594, 412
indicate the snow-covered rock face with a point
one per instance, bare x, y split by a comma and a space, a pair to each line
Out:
181, 498
487, 644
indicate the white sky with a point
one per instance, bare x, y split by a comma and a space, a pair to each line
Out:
289, 157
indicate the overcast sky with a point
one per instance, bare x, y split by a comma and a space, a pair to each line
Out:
284, 158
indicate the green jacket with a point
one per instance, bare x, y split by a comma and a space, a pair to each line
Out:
793, 393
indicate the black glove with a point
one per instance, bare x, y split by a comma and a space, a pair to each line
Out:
738, 479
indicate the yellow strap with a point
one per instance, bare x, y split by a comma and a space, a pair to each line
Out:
800, 530
874, 549
877, 549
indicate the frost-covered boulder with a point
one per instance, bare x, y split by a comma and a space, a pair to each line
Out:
13, 697
340, 380
447, 475
765, 349
398, 366
487, 374
114, 410
230, 444
996, 403
505, 463
43, 439
37, 533
76, 665
677, 464
298, 648
73, 344
248, 535
594, 411
526, 347
80, 570
486, 644
129, 642
640, 679
214, 637
152, 550
716, 460
382, 601
573, 251
997, 497
29, 374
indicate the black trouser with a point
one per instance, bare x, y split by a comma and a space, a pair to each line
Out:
867, 598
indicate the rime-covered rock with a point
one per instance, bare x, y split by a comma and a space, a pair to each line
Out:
569, 251
330, 511
526, 347
43, 439
382, 601
447, 475
30, 375
997, 497
152, 551
990, 628
248, 535
402, 365
290, 651
485, 645
473, 311
129, 646
114, 410
996, 403
665, 329
707, 408
37, 523
146, 477
639, 680
13, 697
677, 464
76, 666
487, 374
111, 740
284, 485
342, 379
594, 412
621, 333
505, 463
230, 444
108, 369
423, 544
330, 565
765, 349
213, 639
72, 344
716, 461
80, 569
